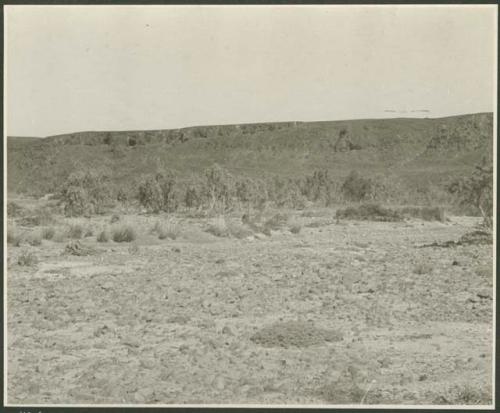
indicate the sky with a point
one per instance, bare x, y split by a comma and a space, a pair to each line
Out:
81, 68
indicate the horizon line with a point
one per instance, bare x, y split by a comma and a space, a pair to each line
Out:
253, 123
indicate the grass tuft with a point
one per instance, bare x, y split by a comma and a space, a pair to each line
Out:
103, 236
48, 233
124, 233
27, 259
75, 231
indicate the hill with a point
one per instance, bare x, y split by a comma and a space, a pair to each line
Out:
413, 149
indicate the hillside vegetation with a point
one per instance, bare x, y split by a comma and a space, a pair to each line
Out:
419, 155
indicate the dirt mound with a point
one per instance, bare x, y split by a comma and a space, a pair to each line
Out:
293, 334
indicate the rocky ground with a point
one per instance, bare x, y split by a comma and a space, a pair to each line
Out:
339, 313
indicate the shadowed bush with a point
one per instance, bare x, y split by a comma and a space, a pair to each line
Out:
369, 212
14, 209
103, 236
356, 188
218, 228
425, 213
85, 193
13, 237
41, 216
276, 222
27, 258
75, 231
48, 233
124, 233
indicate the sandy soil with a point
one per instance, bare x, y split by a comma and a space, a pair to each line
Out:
339, 313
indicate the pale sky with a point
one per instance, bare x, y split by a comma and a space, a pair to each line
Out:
80, 68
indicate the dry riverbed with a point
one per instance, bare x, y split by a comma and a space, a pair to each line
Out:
337, 313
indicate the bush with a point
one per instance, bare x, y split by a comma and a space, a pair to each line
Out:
276, 221
124, 233
219, 228
369, 212
75, 231
218, 187
14, 209
156, 193
85, 193
48, 233
34, 239
476, 190
27, 258
41, 216
425, 213
133, 249
356, 188
169, 229
295, 228
103, 236
13, 237
238, 231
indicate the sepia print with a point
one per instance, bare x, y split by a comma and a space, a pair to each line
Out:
250, 205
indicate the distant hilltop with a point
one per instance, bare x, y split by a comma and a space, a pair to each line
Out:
401, 145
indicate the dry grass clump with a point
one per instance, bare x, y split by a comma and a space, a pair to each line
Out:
485, 271
48, 233
293, 334
75, 231
169, 229
369, 212
124, 233
13, 237
295, 228
425, 213
238, 230
41, 216
218, 228
78, 249
14, 209
103, 236
422, 268
277, 221
34, 239
27, 259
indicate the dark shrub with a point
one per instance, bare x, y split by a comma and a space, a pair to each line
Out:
75, 231
369, 212
14, 209
356, 188
476, 190
124, 233
103, 236
85, 193
27, 258
48, 233
157, 193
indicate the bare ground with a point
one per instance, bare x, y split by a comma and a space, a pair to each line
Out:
338, 313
